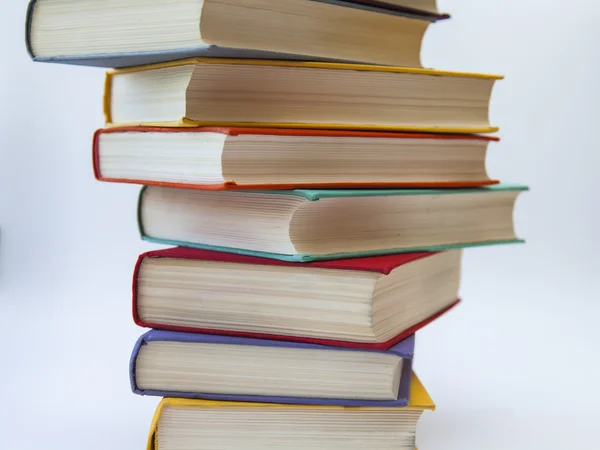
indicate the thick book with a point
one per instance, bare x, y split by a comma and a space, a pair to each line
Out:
190, 423
367, 303
268, 158
285, 94
123, 33
187, 365
308, 225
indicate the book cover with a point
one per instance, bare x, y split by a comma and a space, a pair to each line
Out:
404, 349
379, 264
405, 10
230, 131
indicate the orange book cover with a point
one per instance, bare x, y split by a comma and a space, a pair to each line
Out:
235, 131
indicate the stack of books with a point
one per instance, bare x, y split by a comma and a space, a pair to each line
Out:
318, 207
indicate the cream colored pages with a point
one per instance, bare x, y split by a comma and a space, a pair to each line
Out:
258, 159
96, 27
262, 299
358, 224
288, 94
312, 28
267, 371
290, 428
307, 302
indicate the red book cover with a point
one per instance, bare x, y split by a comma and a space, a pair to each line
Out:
232, 185
380, 264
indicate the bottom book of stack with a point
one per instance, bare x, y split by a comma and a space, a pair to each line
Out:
180, 424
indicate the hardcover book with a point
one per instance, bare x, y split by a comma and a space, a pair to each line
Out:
368, 303
307, 225
188, 423
311, 95
187, 365
121, 33
270, 158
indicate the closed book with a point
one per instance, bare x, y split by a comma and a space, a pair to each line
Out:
363, 303
188, 365
271, 158
122, 33
190, 423
308, 225
310, 95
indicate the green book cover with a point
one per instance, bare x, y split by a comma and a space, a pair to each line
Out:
317, 194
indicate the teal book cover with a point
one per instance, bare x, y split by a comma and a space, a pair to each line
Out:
308, 195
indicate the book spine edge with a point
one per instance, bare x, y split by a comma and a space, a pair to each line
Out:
132, 362
106, 100
96, 155
151, 444
28, 24
134, 291
139, 213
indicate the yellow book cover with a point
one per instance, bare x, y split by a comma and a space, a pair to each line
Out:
308, 95
419, 400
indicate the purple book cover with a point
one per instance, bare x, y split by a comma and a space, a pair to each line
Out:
404, 349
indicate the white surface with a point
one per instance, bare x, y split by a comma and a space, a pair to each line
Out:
514, 367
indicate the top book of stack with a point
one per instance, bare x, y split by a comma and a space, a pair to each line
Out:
124, 33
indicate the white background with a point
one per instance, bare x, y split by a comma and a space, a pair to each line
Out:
515, 367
